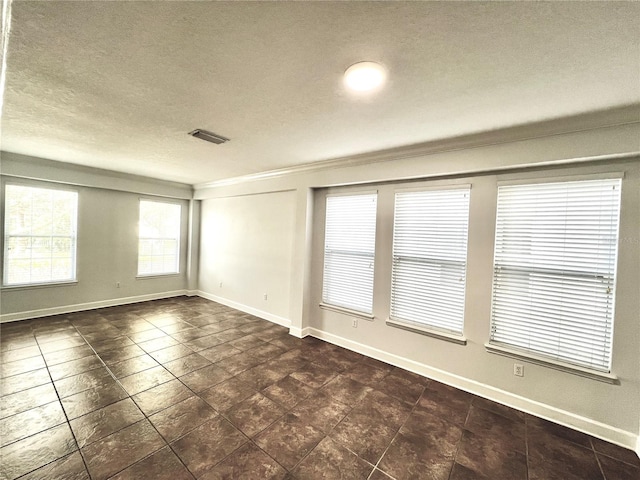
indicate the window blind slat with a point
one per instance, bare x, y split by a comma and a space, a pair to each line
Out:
349, 251
554, 270
429, 258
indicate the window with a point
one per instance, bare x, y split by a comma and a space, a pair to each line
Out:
159, 238
39, 235
554, 270
349, 251
430, 258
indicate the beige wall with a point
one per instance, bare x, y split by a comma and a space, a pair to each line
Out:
264, 235
246, 244
608, 411
470, 366
107, 246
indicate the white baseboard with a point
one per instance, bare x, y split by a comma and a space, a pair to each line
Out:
79, 307
296, 332
563, 417
285, 322
300, 332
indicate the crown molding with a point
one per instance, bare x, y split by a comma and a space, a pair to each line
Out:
41, 169
621, 116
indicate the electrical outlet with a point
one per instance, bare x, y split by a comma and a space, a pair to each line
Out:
265, 296
518, 370
220, 284
354, 322
117, 284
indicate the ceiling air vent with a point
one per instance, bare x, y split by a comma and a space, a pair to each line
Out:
208, 136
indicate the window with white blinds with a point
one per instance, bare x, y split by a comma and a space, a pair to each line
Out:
430, 258
349, 251
554, 270
40, 235
159, 238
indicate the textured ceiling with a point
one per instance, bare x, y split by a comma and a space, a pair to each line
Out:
118, 85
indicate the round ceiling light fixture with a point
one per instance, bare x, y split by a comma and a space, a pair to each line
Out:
365, 77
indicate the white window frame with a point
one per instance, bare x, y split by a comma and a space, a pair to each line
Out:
560, 361
72, 236
414, 266
176, 238
338, 301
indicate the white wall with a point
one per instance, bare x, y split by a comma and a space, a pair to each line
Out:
246, 244
608, 411
107, 241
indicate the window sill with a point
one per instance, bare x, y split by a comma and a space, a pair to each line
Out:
347, 311
28, 286
550, 363
157, 275
423, 330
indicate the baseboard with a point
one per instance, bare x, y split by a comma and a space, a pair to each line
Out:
300, 332
285, 322
79, 307
568, 419
571, 420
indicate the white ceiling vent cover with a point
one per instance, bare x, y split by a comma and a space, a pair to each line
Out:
208, 136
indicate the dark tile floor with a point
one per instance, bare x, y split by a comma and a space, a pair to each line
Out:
183, 388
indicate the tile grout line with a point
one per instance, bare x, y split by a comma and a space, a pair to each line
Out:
223, 414
146, 417
351, 409
526, 443
455, 457
129, 396
413, 408
56, 330
196, 394
63, 409
181, 436
595, 454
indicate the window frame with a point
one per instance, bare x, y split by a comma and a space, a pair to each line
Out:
324, 304
178, 239
542, 359
424, 328
5, 235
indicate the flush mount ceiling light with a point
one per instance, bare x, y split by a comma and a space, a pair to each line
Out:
365, 77
208, 136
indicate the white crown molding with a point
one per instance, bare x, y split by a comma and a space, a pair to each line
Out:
41, 169
582, 123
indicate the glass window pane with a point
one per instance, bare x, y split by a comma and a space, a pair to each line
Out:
40, 226
159, 233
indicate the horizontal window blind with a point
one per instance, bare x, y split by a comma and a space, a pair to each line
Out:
159, 238
554, 270
430, 258
40, 235
349, 251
